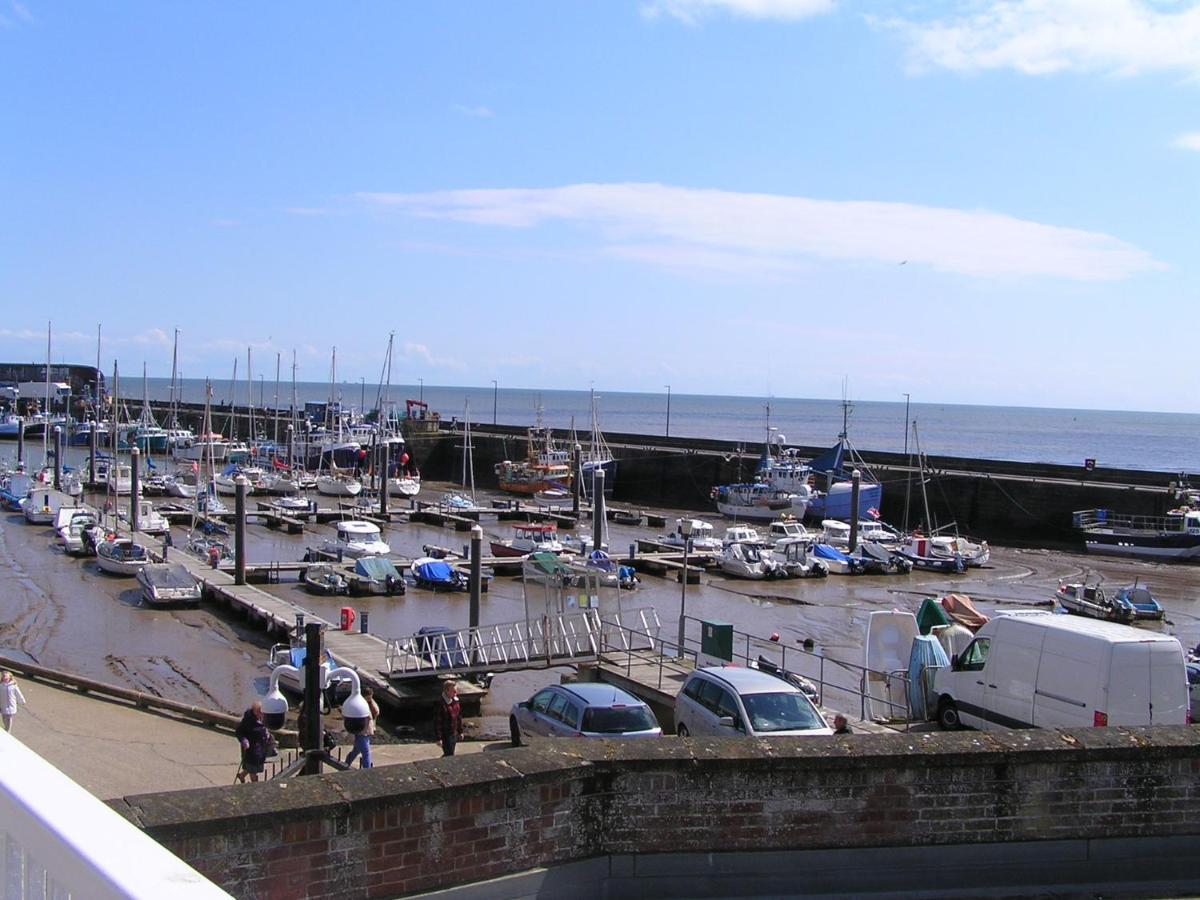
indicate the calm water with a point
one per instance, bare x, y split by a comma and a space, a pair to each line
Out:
1168, 442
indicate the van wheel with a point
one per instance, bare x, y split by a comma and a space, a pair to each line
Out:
681, 730
514, 731
947, 715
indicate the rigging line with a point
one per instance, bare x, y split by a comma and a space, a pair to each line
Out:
1007, 496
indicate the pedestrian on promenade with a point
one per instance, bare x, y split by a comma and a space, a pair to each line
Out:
253, 737
9, 695
841, 726
362, 740
448, 718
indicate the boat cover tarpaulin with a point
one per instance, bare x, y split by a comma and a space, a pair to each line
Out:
830, 461
172, 576
930, 614
377, 568
549, 563
435, 570
960, 608
826, 551
926, 654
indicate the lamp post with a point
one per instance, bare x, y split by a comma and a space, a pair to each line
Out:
421, 382
668, 410
685, 529
495, 395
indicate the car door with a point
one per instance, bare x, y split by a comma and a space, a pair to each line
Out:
552, 720
533, 718
727, 705
709, 698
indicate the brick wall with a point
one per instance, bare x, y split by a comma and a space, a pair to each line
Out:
399, 829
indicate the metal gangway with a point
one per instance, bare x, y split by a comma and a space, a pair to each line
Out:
580, 636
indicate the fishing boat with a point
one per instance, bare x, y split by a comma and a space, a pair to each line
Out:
324, 580
168, 584
1175, 536
757, 500
742, 534
595, 457
375, 575
41, 504
121, 556
1091, 601
794, 555
355, 538
150, 520
71, 526
531, 538
784, 529
703, 536
888, 649
744, 559
919, 551
437, 575
545, 467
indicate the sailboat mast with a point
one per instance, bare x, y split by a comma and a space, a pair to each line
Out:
46, 426
275, 435
924, 492
250, 395
173, 406
295, 417
233, 430
97, 414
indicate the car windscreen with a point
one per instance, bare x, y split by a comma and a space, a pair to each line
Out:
781, 712
618, 720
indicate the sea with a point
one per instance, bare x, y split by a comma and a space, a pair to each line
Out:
1152, 441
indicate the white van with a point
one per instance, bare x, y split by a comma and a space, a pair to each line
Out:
1042, 670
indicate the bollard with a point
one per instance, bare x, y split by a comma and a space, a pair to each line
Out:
58, 457
362, 621
135, 489
239, 532
632, 553
855, 483
598, 513
476, 578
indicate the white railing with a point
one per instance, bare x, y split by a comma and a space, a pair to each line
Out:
57, 840
561, 638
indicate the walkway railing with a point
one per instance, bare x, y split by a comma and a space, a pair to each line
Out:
57, 840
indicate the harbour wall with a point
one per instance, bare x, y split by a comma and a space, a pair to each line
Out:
934, 813
1011, 502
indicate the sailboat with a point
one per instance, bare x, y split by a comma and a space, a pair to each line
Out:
177, 435
115, 554
332, 480
146, 433
464, 502
201, 539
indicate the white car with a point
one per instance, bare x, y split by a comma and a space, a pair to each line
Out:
726, 701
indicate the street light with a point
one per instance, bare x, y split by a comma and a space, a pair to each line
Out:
668, 410
495, 394
685, 529
421, 382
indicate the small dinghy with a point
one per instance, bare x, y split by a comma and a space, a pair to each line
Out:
324, 580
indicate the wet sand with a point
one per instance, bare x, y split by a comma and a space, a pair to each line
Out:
64, 613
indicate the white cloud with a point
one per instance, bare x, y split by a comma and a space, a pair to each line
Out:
478, 112
1038, 37
770, 233
1189, 141
691, 11
420, 353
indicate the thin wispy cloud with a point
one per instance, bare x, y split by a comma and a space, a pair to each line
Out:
1040, 37
1188, 141
420, 353
477, 112
770, 233
693, 11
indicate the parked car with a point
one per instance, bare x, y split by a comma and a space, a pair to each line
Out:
729, 701
582, 710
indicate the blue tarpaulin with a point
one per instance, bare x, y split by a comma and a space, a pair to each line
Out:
436, 570
926, 654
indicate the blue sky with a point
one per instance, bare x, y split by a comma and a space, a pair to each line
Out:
990, 201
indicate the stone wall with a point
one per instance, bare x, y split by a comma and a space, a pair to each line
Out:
400, 829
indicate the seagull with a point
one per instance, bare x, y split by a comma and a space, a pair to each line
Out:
902, 262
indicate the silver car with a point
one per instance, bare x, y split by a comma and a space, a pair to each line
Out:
592, 709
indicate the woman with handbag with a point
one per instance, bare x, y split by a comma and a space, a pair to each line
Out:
255, 741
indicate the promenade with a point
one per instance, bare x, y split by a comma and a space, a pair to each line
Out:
114, 750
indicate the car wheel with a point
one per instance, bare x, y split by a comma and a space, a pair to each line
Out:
681, 730
514, 731
947, 715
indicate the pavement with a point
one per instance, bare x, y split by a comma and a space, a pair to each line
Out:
114, 750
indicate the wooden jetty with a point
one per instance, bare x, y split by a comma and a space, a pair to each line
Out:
365, 653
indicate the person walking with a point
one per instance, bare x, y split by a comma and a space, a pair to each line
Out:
362, 740
10, 694
448, 718
253, 737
